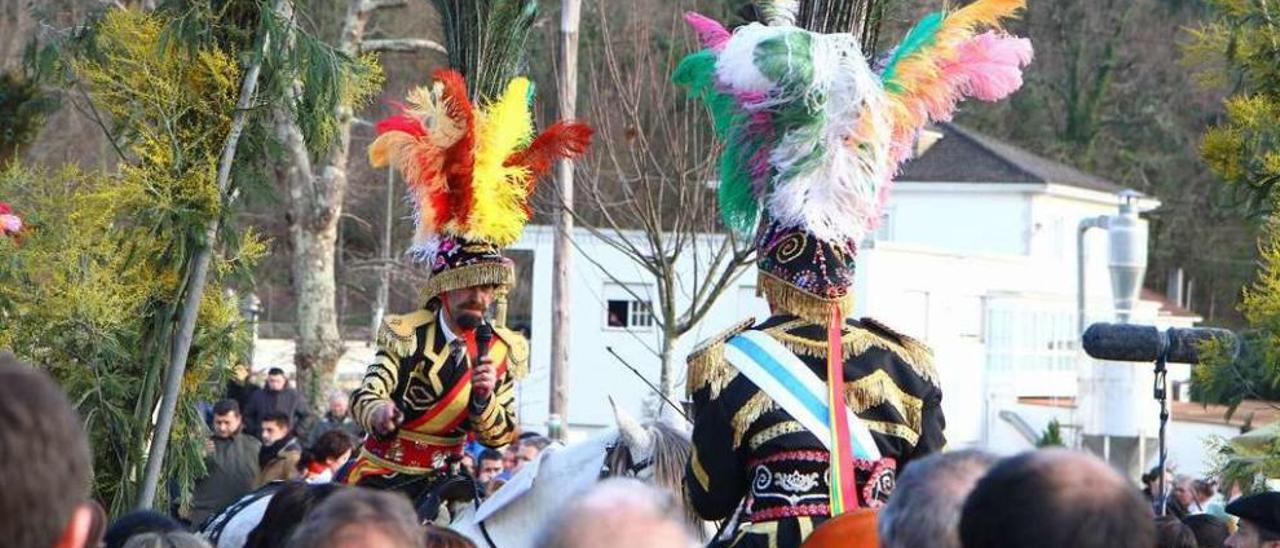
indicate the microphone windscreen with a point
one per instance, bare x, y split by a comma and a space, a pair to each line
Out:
1123, 342
1184, 343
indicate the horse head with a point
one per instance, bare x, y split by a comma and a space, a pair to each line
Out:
655, 453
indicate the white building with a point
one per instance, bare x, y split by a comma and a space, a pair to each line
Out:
977, 257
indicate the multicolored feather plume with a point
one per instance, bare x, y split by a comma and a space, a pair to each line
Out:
470, 172
812, 135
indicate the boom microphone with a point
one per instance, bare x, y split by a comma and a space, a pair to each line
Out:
1144, 343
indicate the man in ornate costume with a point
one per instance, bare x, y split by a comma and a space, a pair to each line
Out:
469, 175
809, 414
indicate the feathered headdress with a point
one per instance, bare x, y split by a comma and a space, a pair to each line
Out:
812, 135
470, 172
10, 224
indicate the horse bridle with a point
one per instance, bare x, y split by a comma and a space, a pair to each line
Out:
632, 469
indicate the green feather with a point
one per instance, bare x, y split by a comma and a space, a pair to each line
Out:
738, 206
921, 36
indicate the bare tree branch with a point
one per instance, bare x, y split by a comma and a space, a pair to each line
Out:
409, 45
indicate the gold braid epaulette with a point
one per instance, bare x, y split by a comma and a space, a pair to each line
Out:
518, 354
397, 334
706, 365
873, 334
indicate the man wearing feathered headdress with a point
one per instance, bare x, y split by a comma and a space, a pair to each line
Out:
469, 173
809, 414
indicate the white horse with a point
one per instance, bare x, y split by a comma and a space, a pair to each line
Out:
511, 517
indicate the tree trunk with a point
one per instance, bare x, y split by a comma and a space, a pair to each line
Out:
317, 198
562, 251
670, 363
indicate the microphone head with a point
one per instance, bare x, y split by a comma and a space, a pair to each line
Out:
484, 334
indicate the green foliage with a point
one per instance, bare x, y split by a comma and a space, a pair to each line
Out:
92, 289
1240, 49
1226, 381
1052, 435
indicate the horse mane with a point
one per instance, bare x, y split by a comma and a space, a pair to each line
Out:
671, 449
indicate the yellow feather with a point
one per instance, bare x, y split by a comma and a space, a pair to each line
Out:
983, 12
498, 214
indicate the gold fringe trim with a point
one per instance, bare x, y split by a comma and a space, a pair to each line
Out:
467, 276
748, 413
893, 429
518, 353
784, 295
706, 365
781, 429
396, 334
879, 389
858, 341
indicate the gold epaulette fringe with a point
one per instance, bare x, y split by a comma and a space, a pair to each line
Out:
706, 365
857, 341
518, 353
396, 334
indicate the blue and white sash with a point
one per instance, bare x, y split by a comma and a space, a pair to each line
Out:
785, 378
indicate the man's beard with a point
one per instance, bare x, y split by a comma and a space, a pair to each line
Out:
468, 318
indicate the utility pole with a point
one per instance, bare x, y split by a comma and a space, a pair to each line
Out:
557, 419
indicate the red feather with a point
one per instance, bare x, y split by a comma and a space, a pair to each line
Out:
459, 160
402, 123
561, 140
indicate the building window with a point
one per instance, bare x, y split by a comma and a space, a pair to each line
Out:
628, 314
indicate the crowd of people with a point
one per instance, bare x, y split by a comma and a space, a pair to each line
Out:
1048, 498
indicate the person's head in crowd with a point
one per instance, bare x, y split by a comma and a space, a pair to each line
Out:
44, 501
1202, 490
276, 380
171, 539
1259, 525
1055, 498
226, 419
288, 507
1210, 531
338, 403
441, 537
136, 523
358, 517
1172, 533
275, 427
490, 465
529, 449
1183, 491
329, 452
468, 463
1151, 482
618, 513
925, 507
511, 457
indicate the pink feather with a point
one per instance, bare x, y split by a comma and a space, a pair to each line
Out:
711, 33
988, 66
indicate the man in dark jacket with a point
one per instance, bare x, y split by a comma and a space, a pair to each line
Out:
231, 459
338, 418
276, 396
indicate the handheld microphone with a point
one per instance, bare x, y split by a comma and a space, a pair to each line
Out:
484, 336
1145, 343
